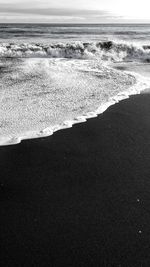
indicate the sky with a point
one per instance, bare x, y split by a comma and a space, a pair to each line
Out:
74, 11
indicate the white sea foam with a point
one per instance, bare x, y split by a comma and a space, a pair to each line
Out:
123, 85
69, 123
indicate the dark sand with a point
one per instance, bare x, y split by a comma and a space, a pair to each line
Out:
82, 196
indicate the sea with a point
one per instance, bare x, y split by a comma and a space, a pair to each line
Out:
55, 75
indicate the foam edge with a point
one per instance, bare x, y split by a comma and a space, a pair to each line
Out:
141, 85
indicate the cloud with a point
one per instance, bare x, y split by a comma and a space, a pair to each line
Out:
89, 11
18, 18
14, 12
52, 11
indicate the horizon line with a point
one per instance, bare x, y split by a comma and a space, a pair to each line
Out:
76, 23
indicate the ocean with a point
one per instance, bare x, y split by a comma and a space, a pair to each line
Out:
53, 76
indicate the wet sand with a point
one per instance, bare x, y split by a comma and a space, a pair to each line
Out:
82, 196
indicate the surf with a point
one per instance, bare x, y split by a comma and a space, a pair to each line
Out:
107, 51
49, 87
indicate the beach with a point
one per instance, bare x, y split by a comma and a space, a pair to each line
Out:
80, 197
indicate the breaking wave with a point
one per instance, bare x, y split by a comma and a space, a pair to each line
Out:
108, 51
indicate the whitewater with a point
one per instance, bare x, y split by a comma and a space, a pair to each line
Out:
48, 84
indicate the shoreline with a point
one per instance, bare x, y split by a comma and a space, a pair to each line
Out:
80, 197
139, 87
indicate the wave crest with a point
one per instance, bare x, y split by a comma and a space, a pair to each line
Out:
109, 51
